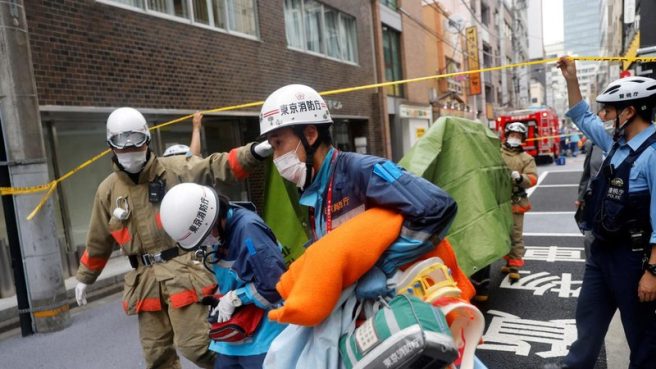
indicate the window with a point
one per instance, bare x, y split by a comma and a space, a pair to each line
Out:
392, 56
390, 4
237, 16
487, 55
485, 14
312, 26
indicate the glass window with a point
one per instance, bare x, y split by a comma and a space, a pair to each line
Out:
331, 17
390, 4
391, 52
136, 3
176, 8
312, 26
201, 13
313, 37
241, 16
232, 15
294, 23
348, 39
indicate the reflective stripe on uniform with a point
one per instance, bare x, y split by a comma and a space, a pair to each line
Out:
147, 304
92, 263
184, 298
122, 236
235, 165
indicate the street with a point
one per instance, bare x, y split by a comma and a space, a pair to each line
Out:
527, 324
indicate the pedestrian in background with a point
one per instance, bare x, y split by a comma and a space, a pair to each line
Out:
166, 284
620, 271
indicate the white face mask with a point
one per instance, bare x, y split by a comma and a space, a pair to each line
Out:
609, 126
132, 162
514, 142
291, 167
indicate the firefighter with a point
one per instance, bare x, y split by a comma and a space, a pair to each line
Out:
524, 175
166, 284
620, 272
248, 265
336, 186
194, 146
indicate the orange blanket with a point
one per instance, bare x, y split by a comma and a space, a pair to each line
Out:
312, 285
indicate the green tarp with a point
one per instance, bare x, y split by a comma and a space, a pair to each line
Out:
460, 156
463, 158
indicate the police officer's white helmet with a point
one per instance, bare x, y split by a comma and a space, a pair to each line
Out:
188, 213
178, 149
517, 127
637, 91
127, 127
293, 105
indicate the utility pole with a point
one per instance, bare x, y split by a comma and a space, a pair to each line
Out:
34, 248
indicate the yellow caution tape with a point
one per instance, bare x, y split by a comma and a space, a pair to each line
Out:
51, 186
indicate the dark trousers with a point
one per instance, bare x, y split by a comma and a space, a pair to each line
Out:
239, 362
611, 282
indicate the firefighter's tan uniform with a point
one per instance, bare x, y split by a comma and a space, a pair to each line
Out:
520, 161
164, 295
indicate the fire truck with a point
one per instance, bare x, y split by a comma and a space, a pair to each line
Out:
542, 140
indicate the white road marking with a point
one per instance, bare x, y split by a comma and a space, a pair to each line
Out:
541, 234
542, 176
550, 213
559, 185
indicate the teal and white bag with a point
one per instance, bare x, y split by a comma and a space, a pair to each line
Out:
405, 333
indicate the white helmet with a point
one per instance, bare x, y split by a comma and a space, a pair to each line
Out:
293, 105
518, 127
178, 149
126, 127
628, 91
188, 213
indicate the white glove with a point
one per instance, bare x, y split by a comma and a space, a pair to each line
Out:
223, 311
516, 176
263, 149
81, 293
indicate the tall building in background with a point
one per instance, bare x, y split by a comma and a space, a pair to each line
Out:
582, 20
538, 84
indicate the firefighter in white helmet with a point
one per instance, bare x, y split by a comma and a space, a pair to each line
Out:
193, 150
248, 263
165, 285
336, 186
524, 175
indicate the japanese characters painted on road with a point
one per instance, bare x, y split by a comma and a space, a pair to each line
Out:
543, 282
553, 254
511, 333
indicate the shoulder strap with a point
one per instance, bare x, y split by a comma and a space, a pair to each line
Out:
635, 154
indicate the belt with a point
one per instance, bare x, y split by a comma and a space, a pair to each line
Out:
157, 258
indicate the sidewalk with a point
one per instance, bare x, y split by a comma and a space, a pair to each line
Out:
110, 281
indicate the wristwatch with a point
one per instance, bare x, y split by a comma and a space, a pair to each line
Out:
651, 268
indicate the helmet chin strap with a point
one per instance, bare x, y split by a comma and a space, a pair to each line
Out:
309, 155
620, 130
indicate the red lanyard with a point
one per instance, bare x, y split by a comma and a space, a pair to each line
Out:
329, 204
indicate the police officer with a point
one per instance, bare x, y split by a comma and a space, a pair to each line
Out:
621, 269
166, 284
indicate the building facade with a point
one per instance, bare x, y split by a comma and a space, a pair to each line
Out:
169, 58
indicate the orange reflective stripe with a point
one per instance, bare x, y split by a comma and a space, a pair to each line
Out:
183, 298
209, 290
515, 262
533, 179
235, 165
149, 304
518, 209
125, 306
158, 221
92, 263
122, 236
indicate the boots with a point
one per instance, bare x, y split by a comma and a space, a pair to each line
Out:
513, 274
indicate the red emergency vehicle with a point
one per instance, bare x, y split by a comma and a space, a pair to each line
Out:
542, 140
